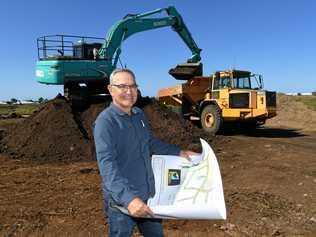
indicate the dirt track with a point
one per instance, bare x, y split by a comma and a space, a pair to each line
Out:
269, 177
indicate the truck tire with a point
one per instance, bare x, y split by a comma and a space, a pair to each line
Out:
211, 119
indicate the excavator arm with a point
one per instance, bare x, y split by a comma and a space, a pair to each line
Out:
132, 24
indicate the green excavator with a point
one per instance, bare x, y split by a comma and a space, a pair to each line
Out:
83, 64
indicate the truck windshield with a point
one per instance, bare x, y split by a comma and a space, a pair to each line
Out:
241, 82
223, 82
244, 82
250, 82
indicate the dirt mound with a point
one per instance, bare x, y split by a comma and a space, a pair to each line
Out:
52, 133
169, 127
57, 132
292, 113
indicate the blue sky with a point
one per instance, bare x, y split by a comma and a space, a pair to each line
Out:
276, 38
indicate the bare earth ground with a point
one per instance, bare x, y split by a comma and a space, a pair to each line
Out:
269, 178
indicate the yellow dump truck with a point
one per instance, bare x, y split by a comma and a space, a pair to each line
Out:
225, 96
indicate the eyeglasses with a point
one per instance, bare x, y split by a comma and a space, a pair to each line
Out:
125, 87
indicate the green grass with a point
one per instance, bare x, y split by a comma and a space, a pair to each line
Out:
18, 109
309, 101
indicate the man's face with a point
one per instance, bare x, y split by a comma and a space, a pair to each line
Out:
123, 91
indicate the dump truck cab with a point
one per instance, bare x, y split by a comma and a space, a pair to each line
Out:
225, 96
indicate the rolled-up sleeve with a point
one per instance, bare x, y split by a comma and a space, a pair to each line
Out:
113, 181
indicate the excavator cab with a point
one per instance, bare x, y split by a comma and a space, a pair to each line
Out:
85, 50
186, 71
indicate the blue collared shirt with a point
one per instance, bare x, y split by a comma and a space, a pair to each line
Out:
124, 145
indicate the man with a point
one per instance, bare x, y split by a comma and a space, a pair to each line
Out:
124, 145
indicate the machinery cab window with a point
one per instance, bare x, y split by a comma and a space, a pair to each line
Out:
222, 82
237, 79
242, 82
85, 51
248, 82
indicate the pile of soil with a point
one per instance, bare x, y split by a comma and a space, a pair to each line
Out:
52, 133
57, 132
293, 114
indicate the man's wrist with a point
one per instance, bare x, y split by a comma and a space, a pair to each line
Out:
127, 200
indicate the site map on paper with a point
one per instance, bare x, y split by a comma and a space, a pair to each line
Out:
188, 189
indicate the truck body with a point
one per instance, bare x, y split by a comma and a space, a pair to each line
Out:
225, 96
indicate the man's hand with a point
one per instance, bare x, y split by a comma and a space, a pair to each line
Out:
138, 208
186, 154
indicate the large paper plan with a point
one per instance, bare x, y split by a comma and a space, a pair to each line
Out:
188, 189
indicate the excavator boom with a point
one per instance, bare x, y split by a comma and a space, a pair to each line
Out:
136, 23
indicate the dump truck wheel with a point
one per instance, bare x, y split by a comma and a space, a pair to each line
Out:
211, 119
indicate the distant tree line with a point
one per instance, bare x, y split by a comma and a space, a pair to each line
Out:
40, 100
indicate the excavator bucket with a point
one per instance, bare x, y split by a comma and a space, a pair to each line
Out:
186, 71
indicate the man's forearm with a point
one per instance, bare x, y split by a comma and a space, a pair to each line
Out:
115, 183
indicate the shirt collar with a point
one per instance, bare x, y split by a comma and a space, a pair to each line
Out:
120, 112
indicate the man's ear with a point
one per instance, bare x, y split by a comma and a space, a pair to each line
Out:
110, 88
